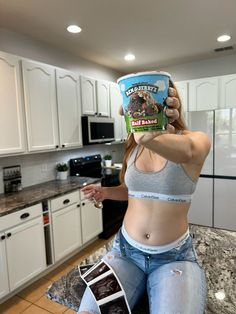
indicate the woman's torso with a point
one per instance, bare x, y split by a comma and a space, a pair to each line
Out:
159, 197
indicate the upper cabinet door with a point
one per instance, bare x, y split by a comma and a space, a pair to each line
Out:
11, 106
88, 96
203, 94
116, 102
182, 88
227, 91
40, 105
103, 104
69, 112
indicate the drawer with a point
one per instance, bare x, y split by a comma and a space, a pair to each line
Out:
64, 200
20, 216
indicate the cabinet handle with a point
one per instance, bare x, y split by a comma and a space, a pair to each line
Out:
99, 114
8, 234
24, 216
57, 146
78, 205
95, 113
66, 201
63, 145
83, 204
3, 237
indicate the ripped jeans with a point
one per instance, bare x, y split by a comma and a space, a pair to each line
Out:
174, 281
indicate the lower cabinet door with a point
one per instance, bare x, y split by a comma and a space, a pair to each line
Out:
25, 252
201, 209
91, 218
4, 287
224, 204
66, 231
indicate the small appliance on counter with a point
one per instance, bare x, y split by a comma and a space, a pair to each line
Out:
12, 179
113, 211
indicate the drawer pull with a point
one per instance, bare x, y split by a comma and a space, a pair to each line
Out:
66, 201
3, 237
8, 234
83, 204
24, 216
78, 205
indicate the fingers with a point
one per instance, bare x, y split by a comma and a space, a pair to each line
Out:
172, 114
173, 102
172, 92
170, 128
92, 192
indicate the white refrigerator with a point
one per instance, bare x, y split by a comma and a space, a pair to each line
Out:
214, 199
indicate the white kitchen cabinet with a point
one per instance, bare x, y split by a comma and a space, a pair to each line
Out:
66, 224
201, 209
69, 108
12, 137
4, 286
91, 219
182, 88
40, 106
88, 96
224, 204
25, 252
227, 91
103, 99
204, 94
115, 103
22, 247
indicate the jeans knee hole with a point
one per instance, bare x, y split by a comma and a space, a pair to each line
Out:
176, 272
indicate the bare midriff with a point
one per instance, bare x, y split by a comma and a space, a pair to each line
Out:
153, 222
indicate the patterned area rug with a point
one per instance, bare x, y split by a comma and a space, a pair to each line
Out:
217, 254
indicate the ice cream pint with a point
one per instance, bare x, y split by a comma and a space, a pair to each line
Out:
143, 96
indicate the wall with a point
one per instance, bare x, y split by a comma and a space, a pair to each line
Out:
222, 65
30, 48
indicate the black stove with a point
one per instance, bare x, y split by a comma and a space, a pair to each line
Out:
113, 211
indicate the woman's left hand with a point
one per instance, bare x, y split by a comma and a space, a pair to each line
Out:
171, 112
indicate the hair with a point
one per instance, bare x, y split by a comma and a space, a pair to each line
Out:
130, 144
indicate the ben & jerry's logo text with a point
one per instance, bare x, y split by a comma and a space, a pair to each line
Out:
137, 88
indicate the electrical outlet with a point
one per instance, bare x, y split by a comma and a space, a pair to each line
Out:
44, 167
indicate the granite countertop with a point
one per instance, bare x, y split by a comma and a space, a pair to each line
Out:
32, 195
216, 249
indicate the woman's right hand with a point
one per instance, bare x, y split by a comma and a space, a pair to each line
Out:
94, 192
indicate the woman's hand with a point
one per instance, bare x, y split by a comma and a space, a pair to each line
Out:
94, 192
171, 112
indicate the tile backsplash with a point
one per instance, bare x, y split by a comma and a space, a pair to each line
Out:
40, 167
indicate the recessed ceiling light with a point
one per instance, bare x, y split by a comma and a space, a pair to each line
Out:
129, 57
74, 29
223, 38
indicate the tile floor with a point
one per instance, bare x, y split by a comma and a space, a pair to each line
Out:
31, 300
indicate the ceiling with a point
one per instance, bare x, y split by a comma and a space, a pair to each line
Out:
159, 32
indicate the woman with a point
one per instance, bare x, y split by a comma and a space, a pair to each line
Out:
153, 250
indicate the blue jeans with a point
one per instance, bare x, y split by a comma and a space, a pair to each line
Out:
174, 281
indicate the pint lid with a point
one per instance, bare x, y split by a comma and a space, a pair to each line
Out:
143, 73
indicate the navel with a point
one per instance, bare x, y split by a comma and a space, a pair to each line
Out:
147, 235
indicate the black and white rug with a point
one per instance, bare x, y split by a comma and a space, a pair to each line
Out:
216, 249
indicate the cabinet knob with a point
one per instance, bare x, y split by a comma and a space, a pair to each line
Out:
95, 113
78, 205
8, 234
66, 201
57, 146
3, 237
99, 114
63, 145
24, 216
83, 204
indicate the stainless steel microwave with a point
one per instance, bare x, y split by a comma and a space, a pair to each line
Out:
97, 130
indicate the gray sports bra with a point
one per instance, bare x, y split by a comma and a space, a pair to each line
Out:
171, 183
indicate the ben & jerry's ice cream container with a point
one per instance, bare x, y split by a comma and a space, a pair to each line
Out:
143, 96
